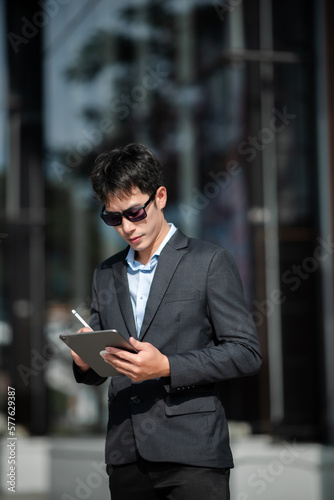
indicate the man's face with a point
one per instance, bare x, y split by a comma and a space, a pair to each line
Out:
146, 235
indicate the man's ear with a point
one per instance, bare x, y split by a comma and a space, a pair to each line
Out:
161, 197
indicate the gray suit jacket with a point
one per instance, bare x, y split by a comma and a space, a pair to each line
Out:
196, 315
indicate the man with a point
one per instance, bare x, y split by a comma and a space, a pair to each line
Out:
180, 303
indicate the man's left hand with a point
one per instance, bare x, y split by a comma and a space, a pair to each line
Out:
146, 364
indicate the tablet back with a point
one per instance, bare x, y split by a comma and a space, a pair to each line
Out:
89, 344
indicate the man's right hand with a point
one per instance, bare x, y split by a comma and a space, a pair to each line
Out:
77, 360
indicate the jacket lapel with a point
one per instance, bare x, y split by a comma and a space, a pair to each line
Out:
167, 263
123, 295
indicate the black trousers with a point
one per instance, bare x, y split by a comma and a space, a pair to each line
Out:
145, 480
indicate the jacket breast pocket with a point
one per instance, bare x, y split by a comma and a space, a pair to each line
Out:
184, 405
182, 296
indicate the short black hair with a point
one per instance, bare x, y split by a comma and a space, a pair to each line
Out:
119, 171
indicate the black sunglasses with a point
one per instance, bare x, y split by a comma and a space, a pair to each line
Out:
132, 214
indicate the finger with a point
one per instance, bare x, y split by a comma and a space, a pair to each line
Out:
76, 356
139, 346
121, 366
113, 350
120, 353
78, 361
114, 360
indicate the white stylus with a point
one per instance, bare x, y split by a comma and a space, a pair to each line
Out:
82, 321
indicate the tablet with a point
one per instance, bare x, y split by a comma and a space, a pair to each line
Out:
89, 344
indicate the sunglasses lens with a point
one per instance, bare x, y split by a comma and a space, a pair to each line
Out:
136, 215
112, 220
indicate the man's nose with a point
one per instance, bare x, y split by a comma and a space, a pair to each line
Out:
127, 225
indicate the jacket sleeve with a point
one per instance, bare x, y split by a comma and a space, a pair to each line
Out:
89, 377
236, 350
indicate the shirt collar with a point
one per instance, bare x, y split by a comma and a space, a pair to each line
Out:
136, 266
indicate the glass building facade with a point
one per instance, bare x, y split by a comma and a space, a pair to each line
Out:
233, 97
